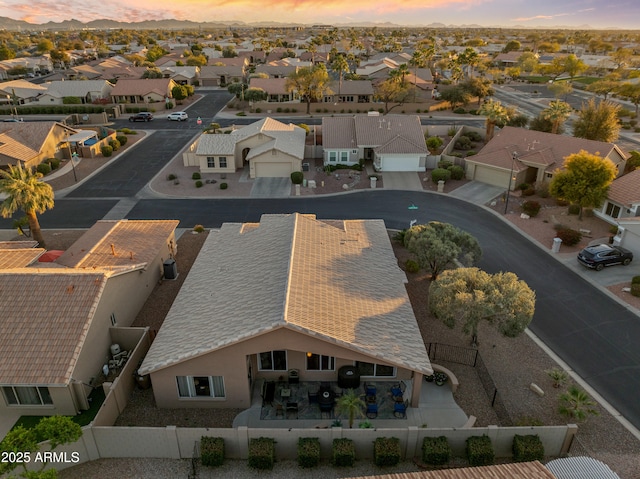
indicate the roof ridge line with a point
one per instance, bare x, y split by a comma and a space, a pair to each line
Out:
285, 309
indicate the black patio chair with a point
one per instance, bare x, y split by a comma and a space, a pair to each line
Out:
292, 407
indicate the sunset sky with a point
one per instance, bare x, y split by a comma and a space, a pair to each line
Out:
532, 13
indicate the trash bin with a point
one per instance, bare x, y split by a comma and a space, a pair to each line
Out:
143, 381
170, 269
556, 245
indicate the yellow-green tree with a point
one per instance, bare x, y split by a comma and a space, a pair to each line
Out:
557, 113
311, 83
597, 121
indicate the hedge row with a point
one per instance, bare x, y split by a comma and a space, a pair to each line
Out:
262, 453
212, 451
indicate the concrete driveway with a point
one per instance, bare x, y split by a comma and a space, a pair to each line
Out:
271, 188
401, 180
477, 192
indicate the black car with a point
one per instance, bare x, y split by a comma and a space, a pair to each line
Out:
601, 255
142, 116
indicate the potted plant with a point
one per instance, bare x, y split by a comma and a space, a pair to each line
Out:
440, 378
429, 378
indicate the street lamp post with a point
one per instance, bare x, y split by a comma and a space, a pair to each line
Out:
514, 157
72, 158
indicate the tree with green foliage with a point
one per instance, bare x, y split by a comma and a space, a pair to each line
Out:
44, 46
512, 46
597, 121
560, 89
352, 405
6, 53
237, 89
391, 91
438, 246
540, 123
557, 113
255, 94
340, 66
576, 404
630, 92
229, 52
584, 180
478, 87
633, 162
152, 73
58, 430
455, 95
197, 61
25, 191
574, 66
495, 114
603, 87
155, 52
311, 83
528, 62
469, 296
179, 93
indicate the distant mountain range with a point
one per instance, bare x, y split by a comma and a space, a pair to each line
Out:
17, 25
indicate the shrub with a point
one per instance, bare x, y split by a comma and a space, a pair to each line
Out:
558, 376
343, 452
122, 139
308, 452
474, 135
531, 208
444, 164
479, 451
54, 163
199, 184
106, 150
198, 229
212, 451
527, 448
196, 176
529, 191
224, 186
463, 143
262, 453
171, 177
386, 451
411, 266
436, 451
258, 110
574, 209
523, 186
457, 172
279, 110
569, 236
43, 168
635, 280
115, 144
460, 111
297, 177
440, 174
434, 142
543, 189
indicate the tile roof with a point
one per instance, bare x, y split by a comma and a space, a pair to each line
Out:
338, 281
24, 140
209, 144
136, 86
18, 244
42, 336
338, 132
354, 87
77, 88
273, 86
119, 243
11, 258
626, 189
522, 470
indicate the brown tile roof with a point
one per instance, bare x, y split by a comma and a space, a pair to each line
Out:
18, 244
119, 243
44, 322
354, 87
273, 86
626, 189
23, 140
19, 258
136, 86
522, 470
338, 132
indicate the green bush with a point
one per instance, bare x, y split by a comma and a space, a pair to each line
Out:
212, 451
115, 144
196, 176
460, 111
386, 451
527, 448
106, 150
171, 177
479, 451
569, 237
523, 186
463, 143
436, 451
43, 168
411, 266
258, 110
574, 209
434, 142
531, 208
474, 135
297, 177
635, 280
122, 139
445, 164
529, 191
440, 174
199, 184
224, 186
308, 452
262, 453
457, 172
54, 163
343, 452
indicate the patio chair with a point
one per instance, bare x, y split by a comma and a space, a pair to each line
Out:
396, 393
292, 407
268, 392
370, 389
400, 409
372, 410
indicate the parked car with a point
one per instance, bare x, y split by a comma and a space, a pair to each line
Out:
142, 116
601, 255
178, 116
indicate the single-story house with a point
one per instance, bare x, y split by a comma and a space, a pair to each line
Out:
350, 91
276, 88
86, 91
392, 142
56, 341
142, 91
271, 148
532, 156
184, 75
32, 142
276, 71
290, 292
19, 92
213, 75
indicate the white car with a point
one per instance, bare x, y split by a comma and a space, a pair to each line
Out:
178, 116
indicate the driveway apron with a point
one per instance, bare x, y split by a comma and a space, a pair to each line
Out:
401, 180
271, 188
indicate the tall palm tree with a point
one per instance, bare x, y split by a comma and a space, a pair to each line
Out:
340, 66
25, 191
495, 113
557, 113
352, 405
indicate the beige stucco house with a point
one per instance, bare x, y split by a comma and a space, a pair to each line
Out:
30, 143
143, 92
59, 319
290, 292
269, 148
532, 156
86, 91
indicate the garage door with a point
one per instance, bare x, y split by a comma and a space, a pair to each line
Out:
491, 176
400, 163
272, 170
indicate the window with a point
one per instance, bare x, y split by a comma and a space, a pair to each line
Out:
344, 157
333, 156
211, 162
372, 369
26, 395
613, 210
318, 362
273, 361
200, 386
222, 161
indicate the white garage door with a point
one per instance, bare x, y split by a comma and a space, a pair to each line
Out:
491, 176
389, 163
272, 170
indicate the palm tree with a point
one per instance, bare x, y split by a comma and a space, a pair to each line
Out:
495, 113
27, 192
577, 404
557, 112
340, 66
352, 405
